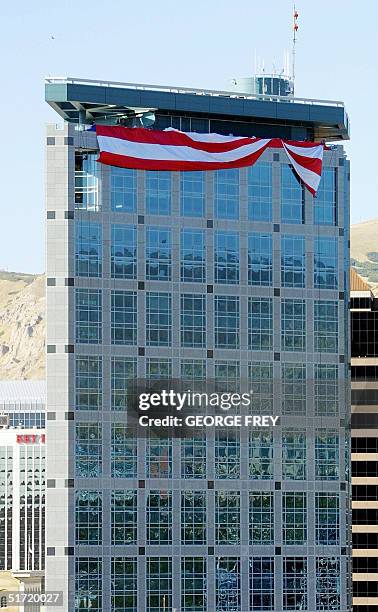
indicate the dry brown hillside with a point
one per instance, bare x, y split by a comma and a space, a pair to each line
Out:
22, 326
364, 251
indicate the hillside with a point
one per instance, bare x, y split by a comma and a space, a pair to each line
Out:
364, 251
22, 326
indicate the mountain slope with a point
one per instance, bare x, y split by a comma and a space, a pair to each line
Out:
22, 326
364, 251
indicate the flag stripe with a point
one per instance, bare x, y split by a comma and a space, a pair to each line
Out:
172, 138
123, 161
176, 153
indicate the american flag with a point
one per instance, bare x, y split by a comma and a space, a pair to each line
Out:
171, 149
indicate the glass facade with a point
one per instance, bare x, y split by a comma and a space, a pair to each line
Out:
221, 276
259, 179
123, 251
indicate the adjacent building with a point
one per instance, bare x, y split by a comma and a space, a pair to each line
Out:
364, 347
225, 275
22, 485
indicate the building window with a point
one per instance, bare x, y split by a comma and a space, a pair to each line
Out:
326, 326
123, 452
325, 210
260, 260
159, 518
124, 584
226, 375
86, 182
293, 261
158, 253
89, 316
293, 325
192, 194
326, 455
227, 575
261, 583
326, 389
27, 419
294, 389
88, 450
193, 369
88, 517
159, 584
159, 457
193, 256
193, 583
158, 368
260, 375
226, 258
327, 518
123, 251
325, 263
193, 457
227, 455
261, 518
123, 369
294, 455
88, 584
260, 324
295, 583
327, 583
123, 185
193, 320
294, 508
88, 383
124, 317
227, 194
292, 196
158, 319
261, 455
158, 193
227, 517
259, 179
226, 322
124, 517
193, 517
88, 255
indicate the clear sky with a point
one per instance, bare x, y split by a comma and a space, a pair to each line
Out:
195, 43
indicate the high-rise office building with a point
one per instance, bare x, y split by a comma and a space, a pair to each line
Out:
229, 275
364, 351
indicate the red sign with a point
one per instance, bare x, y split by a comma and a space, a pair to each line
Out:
31, 438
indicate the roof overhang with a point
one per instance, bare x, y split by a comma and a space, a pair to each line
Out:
87, 101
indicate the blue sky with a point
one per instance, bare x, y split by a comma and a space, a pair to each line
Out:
187, 42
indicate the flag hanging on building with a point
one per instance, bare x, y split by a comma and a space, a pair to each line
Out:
171, 149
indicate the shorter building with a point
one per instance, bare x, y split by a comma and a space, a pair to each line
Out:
23, 402
364, 352
22, 486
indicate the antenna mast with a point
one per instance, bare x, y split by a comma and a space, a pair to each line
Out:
295, 29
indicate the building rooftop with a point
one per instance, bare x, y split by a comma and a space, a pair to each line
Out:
22, 390
357, 283
88, 101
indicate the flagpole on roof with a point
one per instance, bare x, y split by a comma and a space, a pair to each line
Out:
295, 29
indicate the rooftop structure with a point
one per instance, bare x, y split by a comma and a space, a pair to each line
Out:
89, 101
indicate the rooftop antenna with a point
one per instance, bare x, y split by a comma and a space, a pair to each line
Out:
295, 30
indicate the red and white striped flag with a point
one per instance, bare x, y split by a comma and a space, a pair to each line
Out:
182, 151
